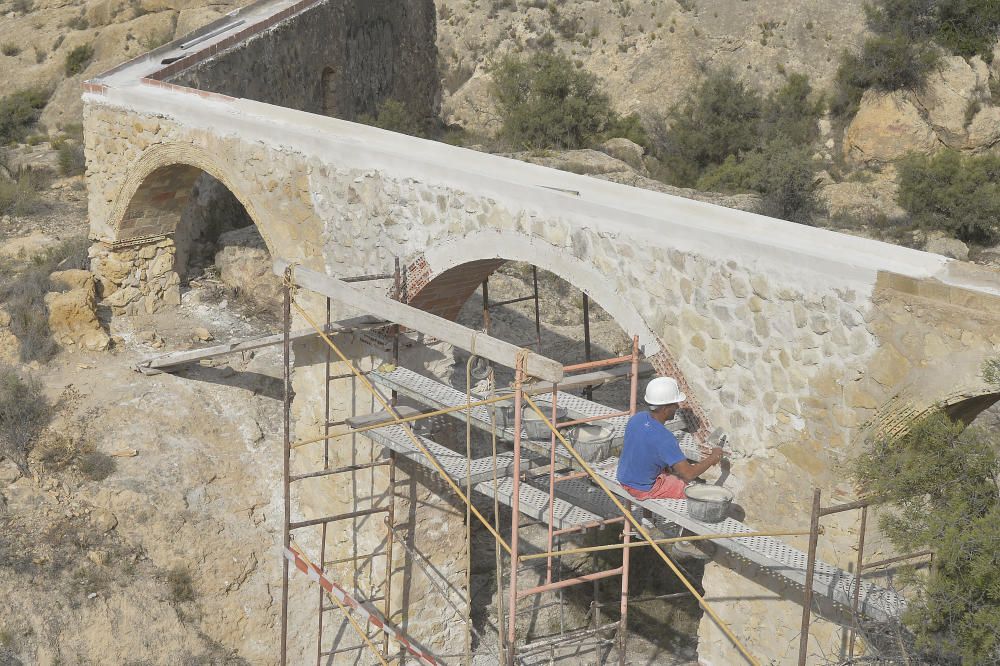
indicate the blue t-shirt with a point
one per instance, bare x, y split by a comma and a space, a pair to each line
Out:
649, 448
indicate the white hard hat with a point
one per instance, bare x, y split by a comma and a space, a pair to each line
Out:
663, 391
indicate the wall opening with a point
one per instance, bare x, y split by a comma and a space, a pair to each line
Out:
458, 294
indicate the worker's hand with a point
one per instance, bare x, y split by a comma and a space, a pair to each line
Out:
715, 456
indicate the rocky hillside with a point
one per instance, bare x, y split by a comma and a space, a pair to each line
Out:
649, 54
38, 36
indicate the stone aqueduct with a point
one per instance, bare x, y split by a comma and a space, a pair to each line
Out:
789, 337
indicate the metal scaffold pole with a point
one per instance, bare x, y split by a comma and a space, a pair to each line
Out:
286, 455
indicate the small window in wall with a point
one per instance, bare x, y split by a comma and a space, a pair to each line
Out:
330, 92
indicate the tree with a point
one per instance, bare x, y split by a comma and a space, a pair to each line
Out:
940, 486
781, 172
545, 101
949, 192
719, 118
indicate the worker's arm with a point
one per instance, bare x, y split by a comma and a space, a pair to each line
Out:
690, 471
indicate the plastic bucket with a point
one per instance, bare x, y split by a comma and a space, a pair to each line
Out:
706, 503
594, 441
534, 426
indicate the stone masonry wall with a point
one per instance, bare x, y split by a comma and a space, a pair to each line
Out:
340, 57
137, 279
792, 368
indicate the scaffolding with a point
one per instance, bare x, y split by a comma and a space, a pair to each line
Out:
551, 480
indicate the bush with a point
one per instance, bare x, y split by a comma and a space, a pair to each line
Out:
18, 197
904, 48
545, 101
71, 159
395, 116
724, 121
19, 112
719, 118
22, 293
939, 481
10, 49
781, 172
791, 112
956, 194
78, 59
96, 466
24, 412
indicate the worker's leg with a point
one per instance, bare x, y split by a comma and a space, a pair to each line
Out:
666, 486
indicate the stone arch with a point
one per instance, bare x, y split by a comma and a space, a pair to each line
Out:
954, 385
158, 187
444, 277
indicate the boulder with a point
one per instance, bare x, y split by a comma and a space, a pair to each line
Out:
625, 150
862, 201
938, 243
949, 91
72, 279
984, 130
587, 162
245, 266
887, 127
73, 319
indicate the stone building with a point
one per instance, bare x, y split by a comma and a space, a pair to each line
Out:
791, 338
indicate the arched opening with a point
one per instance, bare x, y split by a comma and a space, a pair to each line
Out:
183, 226
499, 295
981, 410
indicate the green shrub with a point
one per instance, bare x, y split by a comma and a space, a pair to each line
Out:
939, 481
952, 193
544, 101
71, 158
718, 118
10, 49
791, 112
78, 59
395, 116
24, 412
991, 372
904, 47
782, 172
78, 22
19, 112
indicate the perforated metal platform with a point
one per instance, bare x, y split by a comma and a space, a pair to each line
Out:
454, 464
535, 503
436, 394
770, 553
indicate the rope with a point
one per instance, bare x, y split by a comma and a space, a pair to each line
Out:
645, 535
388, 408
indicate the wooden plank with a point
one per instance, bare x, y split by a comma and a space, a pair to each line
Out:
471, 341
156, 365
595, 379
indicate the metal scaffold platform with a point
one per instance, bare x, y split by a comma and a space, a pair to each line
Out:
538, 465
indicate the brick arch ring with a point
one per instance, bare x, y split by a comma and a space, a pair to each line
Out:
158, 186
443, 277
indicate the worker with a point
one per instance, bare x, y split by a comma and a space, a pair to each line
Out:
652, 465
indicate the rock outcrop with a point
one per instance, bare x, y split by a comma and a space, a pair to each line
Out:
245, 266
73, 311
887, 128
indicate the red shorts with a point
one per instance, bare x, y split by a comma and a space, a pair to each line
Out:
666, 486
